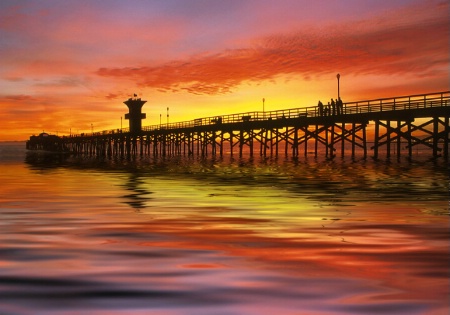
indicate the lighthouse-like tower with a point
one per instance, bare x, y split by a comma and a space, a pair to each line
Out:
135, 116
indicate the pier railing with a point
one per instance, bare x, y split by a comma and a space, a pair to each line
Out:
440, 99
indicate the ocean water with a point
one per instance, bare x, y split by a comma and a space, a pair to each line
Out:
181, 235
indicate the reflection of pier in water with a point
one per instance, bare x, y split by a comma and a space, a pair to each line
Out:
404, 122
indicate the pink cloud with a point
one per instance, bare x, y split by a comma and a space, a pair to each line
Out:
56, 46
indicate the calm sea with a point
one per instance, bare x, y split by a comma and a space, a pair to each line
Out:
224, 236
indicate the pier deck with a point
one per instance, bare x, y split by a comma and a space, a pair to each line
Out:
390, 125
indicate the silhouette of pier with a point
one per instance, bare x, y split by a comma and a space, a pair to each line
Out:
391, 126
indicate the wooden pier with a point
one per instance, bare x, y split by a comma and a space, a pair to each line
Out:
389, 126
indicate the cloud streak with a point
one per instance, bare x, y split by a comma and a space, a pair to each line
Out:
379, 47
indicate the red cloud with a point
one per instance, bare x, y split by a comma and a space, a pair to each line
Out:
380, 46
17, 98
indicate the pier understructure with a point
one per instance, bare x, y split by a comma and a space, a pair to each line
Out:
388, 126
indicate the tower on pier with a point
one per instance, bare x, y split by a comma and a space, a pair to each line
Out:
135, 116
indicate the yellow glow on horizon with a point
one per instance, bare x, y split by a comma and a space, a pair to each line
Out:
68, 112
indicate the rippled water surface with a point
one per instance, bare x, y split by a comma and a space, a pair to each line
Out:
185, 236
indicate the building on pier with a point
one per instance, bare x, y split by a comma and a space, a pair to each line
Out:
135, 115
45, 142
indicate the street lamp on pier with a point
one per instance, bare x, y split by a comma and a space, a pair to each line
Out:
167, 116
338, 76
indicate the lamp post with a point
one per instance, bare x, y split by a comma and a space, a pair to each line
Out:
120, 123
338, 76
264, 100
167, 116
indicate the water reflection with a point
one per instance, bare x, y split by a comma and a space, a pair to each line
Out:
330, 181
139, 195
187, 236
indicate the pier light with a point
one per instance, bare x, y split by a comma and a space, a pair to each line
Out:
338, 76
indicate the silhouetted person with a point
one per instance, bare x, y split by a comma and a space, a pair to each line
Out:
338, 110
340, 105
320, 105
333, 107
329, 109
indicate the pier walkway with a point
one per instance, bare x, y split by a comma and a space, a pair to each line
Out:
393, 126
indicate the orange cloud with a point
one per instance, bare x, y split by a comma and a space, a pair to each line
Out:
381, 46
24, 115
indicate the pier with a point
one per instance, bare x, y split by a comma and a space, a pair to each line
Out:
392, 126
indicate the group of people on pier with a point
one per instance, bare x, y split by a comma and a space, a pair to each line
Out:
332, 108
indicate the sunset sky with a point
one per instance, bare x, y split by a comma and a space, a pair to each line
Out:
68, 64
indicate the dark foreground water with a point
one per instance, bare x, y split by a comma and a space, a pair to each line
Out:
180, 236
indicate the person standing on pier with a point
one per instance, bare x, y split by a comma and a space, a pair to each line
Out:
338, 109
333, 107
320, 105
340, 106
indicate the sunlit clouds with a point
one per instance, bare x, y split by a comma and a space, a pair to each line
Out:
67, 65
387, 50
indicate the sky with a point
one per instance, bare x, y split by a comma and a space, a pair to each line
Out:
67, 66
